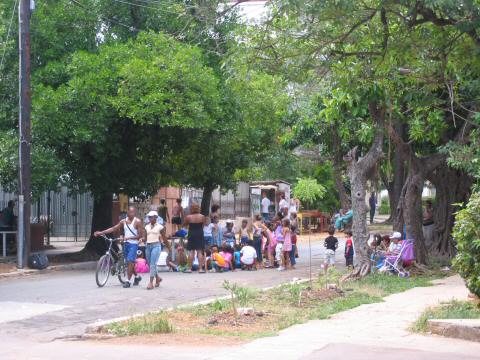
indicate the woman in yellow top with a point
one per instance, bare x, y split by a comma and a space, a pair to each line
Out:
155, 236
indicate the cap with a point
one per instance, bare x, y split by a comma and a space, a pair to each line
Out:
152, 213
396, 235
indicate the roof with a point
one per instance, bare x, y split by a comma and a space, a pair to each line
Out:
268, 182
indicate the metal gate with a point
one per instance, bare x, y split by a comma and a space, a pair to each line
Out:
70, 214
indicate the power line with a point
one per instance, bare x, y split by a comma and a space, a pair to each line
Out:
167, 3
129, 27
8, 33
147, 7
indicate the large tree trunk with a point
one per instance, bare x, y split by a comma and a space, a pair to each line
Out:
394, 185
410, 204
452, 187
359, 207
207, 199
412, 211
399, 172
101, 220
359, 171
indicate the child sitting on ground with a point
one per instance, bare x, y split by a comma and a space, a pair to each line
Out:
227, 254
244, 234
248, 256
236, 257
165, 262
218, 262
141, 265
208, 259
181, 260
349, 250
331, 245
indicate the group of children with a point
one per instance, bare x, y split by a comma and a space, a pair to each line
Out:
331, 246
261, 244
268, 244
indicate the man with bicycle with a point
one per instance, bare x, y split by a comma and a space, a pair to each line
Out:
132, 233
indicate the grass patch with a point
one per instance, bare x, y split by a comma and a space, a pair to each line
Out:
450, 310
275, 309
380, 228
154, 323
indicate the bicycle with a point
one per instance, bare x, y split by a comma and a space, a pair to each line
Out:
112, 263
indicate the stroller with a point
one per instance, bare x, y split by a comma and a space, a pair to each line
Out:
396, 263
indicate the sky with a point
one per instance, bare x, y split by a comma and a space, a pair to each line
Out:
252, 11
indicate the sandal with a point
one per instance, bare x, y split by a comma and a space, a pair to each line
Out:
187, 271
201, 271
150, 287
158, 281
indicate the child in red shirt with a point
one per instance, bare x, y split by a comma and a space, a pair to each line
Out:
349, 250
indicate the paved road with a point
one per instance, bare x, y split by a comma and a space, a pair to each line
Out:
61, 304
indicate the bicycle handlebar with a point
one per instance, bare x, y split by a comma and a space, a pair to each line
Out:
112, 240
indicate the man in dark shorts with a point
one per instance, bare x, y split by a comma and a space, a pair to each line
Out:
177, 214
132, 230
163, 211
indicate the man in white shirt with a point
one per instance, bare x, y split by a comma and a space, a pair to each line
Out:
265, 207
248, 255
283, 205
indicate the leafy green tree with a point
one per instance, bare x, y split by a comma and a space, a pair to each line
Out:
408, 62
116, 119
308, 191
253, 106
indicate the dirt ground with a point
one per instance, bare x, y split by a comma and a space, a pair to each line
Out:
201, 327
6, 268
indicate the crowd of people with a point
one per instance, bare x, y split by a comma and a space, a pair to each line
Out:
205, 244
261, 242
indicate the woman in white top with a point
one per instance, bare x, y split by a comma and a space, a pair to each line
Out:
155, 235
293, 207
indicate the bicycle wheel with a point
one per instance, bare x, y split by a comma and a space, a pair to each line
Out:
121, 269
103, 270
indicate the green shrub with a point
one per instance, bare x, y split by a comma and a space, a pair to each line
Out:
154, 323
384, 208
466, 233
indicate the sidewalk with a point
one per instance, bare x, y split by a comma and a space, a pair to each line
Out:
382, 326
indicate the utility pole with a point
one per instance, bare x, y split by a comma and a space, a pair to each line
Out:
25, 135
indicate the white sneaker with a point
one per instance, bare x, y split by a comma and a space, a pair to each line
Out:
280, 268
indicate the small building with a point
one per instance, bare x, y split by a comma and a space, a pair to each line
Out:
274, 190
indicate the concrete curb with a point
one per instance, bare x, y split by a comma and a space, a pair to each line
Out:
87, 265
466, 329
93, 331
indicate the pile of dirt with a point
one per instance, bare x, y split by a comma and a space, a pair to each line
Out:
313, 296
